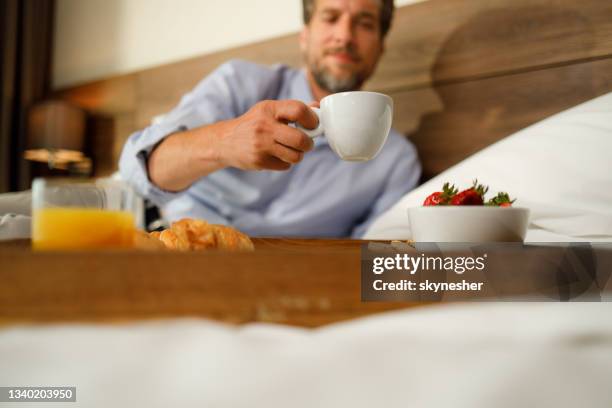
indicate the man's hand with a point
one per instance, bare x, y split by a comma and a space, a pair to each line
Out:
260, 139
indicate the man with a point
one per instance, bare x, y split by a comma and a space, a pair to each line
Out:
227, 153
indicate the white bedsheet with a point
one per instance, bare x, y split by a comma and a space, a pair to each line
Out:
15, 211
476, 355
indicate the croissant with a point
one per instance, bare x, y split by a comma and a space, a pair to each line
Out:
148, 242
229, 238
189, 234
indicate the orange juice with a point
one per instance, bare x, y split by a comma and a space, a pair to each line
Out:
81, 228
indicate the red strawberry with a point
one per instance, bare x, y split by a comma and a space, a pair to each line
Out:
433, 199
472, 196
441, 197
501, 200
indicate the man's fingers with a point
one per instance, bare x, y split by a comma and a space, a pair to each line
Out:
287, 154
295, 111
293, 138
274, 163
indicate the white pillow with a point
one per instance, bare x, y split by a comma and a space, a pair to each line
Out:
561, 168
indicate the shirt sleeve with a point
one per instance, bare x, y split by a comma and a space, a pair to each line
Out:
404, 176
226, 93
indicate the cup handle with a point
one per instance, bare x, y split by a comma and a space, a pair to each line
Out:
312, 133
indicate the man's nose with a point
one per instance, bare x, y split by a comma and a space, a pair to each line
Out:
343, 31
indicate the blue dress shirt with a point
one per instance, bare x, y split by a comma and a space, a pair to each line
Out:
322, 196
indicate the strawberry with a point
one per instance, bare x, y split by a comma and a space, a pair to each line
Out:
501, 200
441, 197
472, 196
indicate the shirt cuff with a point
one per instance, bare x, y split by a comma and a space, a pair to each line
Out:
133, 161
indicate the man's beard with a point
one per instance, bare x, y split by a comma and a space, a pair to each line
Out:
331, 84
328, 82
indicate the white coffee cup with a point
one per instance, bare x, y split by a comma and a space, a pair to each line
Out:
356, 124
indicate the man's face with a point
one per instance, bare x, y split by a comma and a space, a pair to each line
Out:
342, 43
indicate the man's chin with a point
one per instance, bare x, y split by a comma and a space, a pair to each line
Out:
342, 72
342, 85
338, 78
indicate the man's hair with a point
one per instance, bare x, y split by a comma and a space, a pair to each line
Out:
386, 14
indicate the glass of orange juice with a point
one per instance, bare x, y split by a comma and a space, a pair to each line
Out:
82, 214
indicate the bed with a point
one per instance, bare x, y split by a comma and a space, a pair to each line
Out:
463, 75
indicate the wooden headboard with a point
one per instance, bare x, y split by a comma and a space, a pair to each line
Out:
463, 74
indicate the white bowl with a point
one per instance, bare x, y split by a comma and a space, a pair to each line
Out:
468, 223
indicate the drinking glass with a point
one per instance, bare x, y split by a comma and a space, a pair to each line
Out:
82, 214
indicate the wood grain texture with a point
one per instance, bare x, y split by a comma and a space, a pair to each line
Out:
298, 282
462, 118
478, 38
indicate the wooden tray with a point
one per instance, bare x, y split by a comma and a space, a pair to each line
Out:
305, 282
